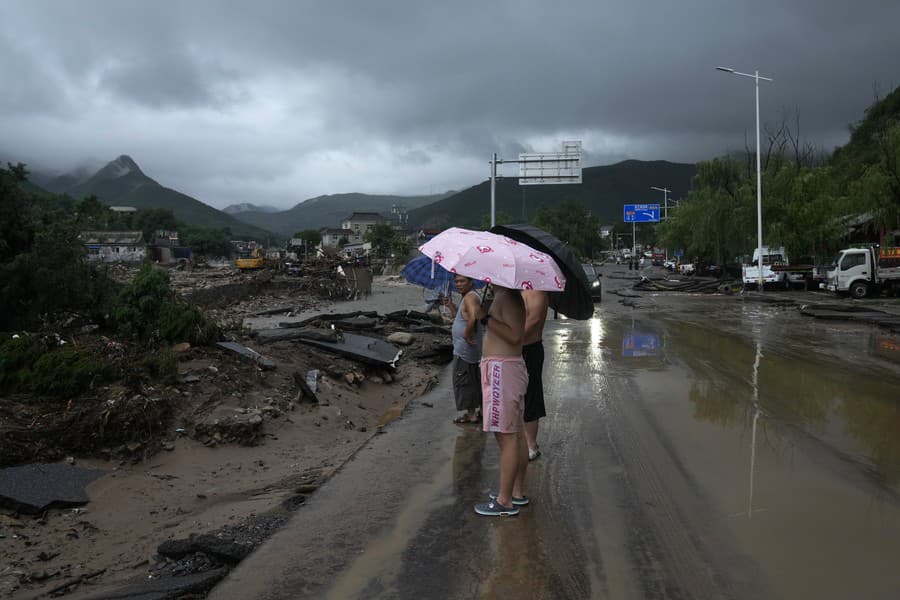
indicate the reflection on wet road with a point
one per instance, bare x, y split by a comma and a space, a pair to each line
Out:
795, 454
751, 455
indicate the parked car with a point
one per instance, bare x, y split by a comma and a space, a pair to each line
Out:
593, 280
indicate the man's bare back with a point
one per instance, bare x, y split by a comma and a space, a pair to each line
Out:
536, 303
506, 324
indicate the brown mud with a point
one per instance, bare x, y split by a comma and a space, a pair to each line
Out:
228, 448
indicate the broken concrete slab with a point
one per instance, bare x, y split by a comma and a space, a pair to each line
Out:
356, 323
312, 380
266, 336
362, 348
225, 549
305, 390
37, 487
253, 355
164, 588
407, 314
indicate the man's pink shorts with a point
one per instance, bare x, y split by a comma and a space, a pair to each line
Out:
504, 380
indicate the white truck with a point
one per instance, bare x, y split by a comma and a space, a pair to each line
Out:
772, 257
864, 271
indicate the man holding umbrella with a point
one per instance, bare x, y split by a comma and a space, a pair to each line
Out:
574, 301
509, 266
504, 380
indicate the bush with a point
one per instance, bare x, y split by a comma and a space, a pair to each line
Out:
162, 365
147, 308
16, 357
179, 322
139, 303
29, 364
67, 372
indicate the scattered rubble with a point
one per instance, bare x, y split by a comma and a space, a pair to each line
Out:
297, 397
708, 285
254, 356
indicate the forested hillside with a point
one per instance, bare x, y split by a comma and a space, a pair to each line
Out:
603, 192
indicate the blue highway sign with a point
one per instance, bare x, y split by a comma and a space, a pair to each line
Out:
642, 213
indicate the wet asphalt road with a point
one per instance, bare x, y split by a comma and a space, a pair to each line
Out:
695, 447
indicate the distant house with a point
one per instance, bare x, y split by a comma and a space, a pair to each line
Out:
167, 249
114, 246
331, 237
361, 222
163, 237
123, 209
356, 249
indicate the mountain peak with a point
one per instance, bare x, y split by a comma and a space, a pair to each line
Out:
121, 166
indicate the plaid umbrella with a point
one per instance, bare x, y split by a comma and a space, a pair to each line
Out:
428, 274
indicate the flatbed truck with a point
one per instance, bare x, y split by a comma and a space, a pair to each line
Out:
862, 272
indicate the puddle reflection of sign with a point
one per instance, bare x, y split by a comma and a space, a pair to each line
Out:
640, 344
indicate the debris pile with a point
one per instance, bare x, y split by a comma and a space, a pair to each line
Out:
696, 285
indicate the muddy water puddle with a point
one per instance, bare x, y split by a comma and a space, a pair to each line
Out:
791, 429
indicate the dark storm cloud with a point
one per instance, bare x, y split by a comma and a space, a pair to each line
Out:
170, 80
286, 100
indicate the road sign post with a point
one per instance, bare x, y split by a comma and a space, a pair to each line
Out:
542, 168
639, 213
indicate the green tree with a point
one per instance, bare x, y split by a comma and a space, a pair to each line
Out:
500, 218
382, 237
717, 220
149, 220
16, 227
570, 222
205, 241
139, 304
91, 214
41, 266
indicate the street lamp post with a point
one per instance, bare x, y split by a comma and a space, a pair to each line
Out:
665, 192
759, 241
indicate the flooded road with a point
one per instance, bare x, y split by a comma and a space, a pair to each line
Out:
712, 448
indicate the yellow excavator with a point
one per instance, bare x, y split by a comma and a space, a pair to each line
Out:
251, 258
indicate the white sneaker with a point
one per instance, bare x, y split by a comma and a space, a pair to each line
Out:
533, 454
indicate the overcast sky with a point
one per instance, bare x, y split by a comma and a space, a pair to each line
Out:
274, 102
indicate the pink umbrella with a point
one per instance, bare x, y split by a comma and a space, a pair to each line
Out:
495, 259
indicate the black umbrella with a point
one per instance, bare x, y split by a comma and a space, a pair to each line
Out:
575, 300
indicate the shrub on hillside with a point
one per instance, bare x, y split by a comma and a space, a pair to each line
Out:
148, 309
41, 366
